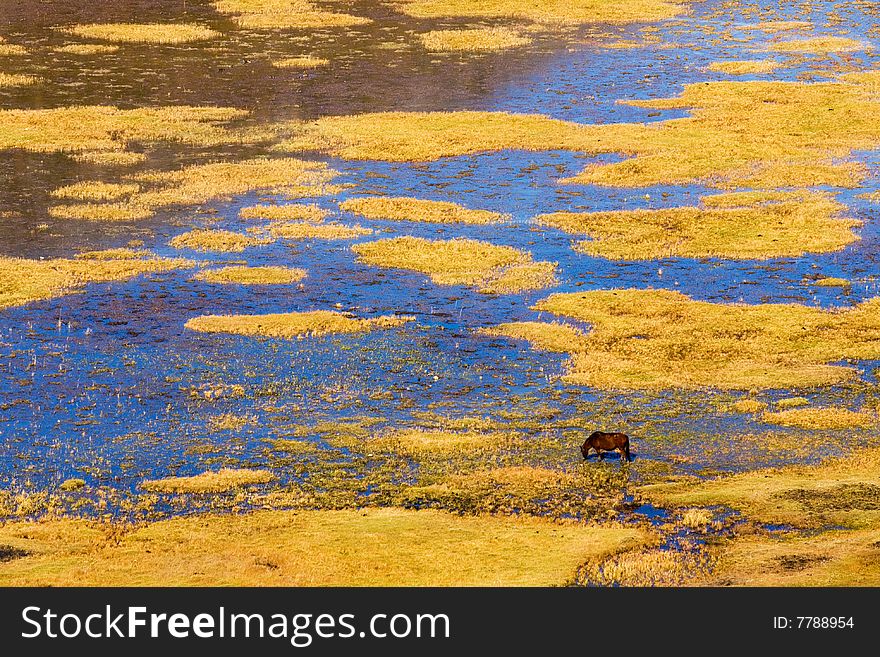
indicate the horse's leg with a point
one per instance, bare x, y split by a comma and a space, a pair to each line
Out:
599, 452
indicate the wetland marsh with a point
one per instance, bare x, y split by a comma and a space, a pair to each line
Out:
321, 275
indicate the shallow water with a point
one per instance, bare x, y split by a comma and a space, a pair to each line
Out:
108, 386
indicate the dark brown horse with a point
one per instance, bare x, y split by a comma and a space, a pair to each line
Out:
606, 442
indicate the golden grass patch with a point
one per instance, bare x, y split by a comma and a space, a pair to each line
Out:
824, 44
546, 11
424, 136
23, 281
109, 158
418, 442
788, 224
200, 183
830, 281
18, 80
489, 268
288, 212
307, 61
748, 406
121, 253
163, 33
209, 482
215, 240
284, 14
241, 275
305, 230
745, 67
474, 40
822, 418
764, 134
416, 209
228, 422
87, 49
291, 325
100, 212
217, 180
370, 547
842, 492
831, 558
642, 339
11, 50
95, 191
106, 128
647, 567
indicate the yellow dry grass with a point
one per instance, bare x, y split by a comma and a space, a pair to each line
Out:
832, 282
209, 482
418, 442
370, 547
423, 136
95, 191
100, 212
306, 61
832, 558
284, 14
109, 158
304, 230
23, 281
289, 212
18, 80
203, 182
415, 209
121, 253
745, 67
732, 226
12, 50
163, 33
645, 339
291, 325
270, 275
474, 40
87, 49
748, 406
547, 11
842, 492
824, 44
199, 183
764, 134
105, 128
489, 268
215, 240
822, 418
651, 567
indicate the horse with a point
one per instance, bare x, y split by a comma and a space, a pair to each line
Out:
602, 441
